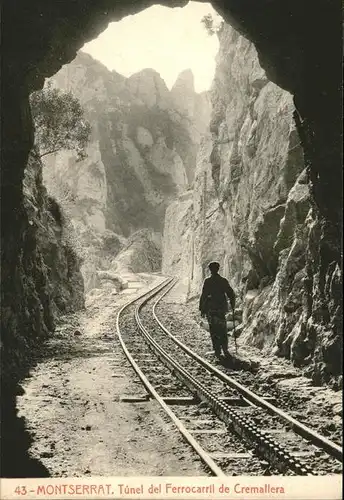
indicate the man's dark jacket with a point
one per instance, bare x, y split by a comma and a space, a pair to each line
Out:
215, 291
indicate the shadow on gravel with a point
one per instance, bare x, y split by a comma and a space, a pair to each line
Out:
65, 349
16, 440
236, 363
15, 443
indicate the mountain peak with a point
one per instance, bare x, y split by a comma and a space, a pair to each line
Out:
148, 86
185, 80
147, 73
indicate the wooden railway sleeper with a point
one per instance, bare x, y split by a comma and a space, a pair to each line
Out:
330, 447
281, 459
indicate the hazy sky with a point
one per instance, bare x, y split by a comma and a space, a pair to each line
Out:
168, 40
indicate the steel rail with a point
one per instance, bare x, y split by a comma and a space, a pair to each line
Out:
329, 446
216, 470
244, 426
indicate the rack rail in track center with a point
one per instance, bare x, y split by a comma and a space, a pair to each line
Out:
251, 432
317, 439
205, 457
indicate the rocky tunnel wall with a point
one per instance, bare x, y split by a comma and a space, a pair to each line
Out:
298, 44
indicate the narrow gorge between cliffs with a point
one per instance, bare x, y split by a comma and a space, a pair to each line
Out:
174, 179
244, 172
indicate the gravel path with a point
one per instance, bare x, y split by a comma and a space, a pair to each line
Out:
73, 409
72, 404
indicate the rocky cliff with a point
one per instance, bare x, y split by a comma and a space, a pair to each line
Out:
250, 209
141, 156
47, 283
49, 273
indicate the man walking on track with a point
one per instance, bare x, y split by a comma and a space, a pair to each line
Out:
213, 303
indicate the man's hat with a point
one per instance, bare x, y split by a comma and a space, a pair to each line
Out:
214, 266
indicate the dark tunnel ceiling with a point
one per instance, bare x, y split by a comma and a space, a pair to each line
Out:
286, 34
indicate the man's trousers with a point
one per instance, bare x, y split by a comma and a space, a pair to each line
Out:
218, 331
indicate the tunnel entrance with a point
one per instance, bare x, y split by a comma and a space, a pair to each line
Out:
256, 246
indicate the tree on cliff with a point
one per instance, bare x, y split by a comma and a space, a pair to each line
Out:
212, 25
59, 122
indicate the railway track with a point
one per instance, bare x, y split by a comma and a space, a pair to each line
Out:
232, 429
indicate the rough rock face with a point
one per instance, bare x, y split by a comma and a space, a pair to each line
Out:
51, 282
142, 253
47, 282
250, 209
142, 154
80, 188
194, 110
143, 147
246, 166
